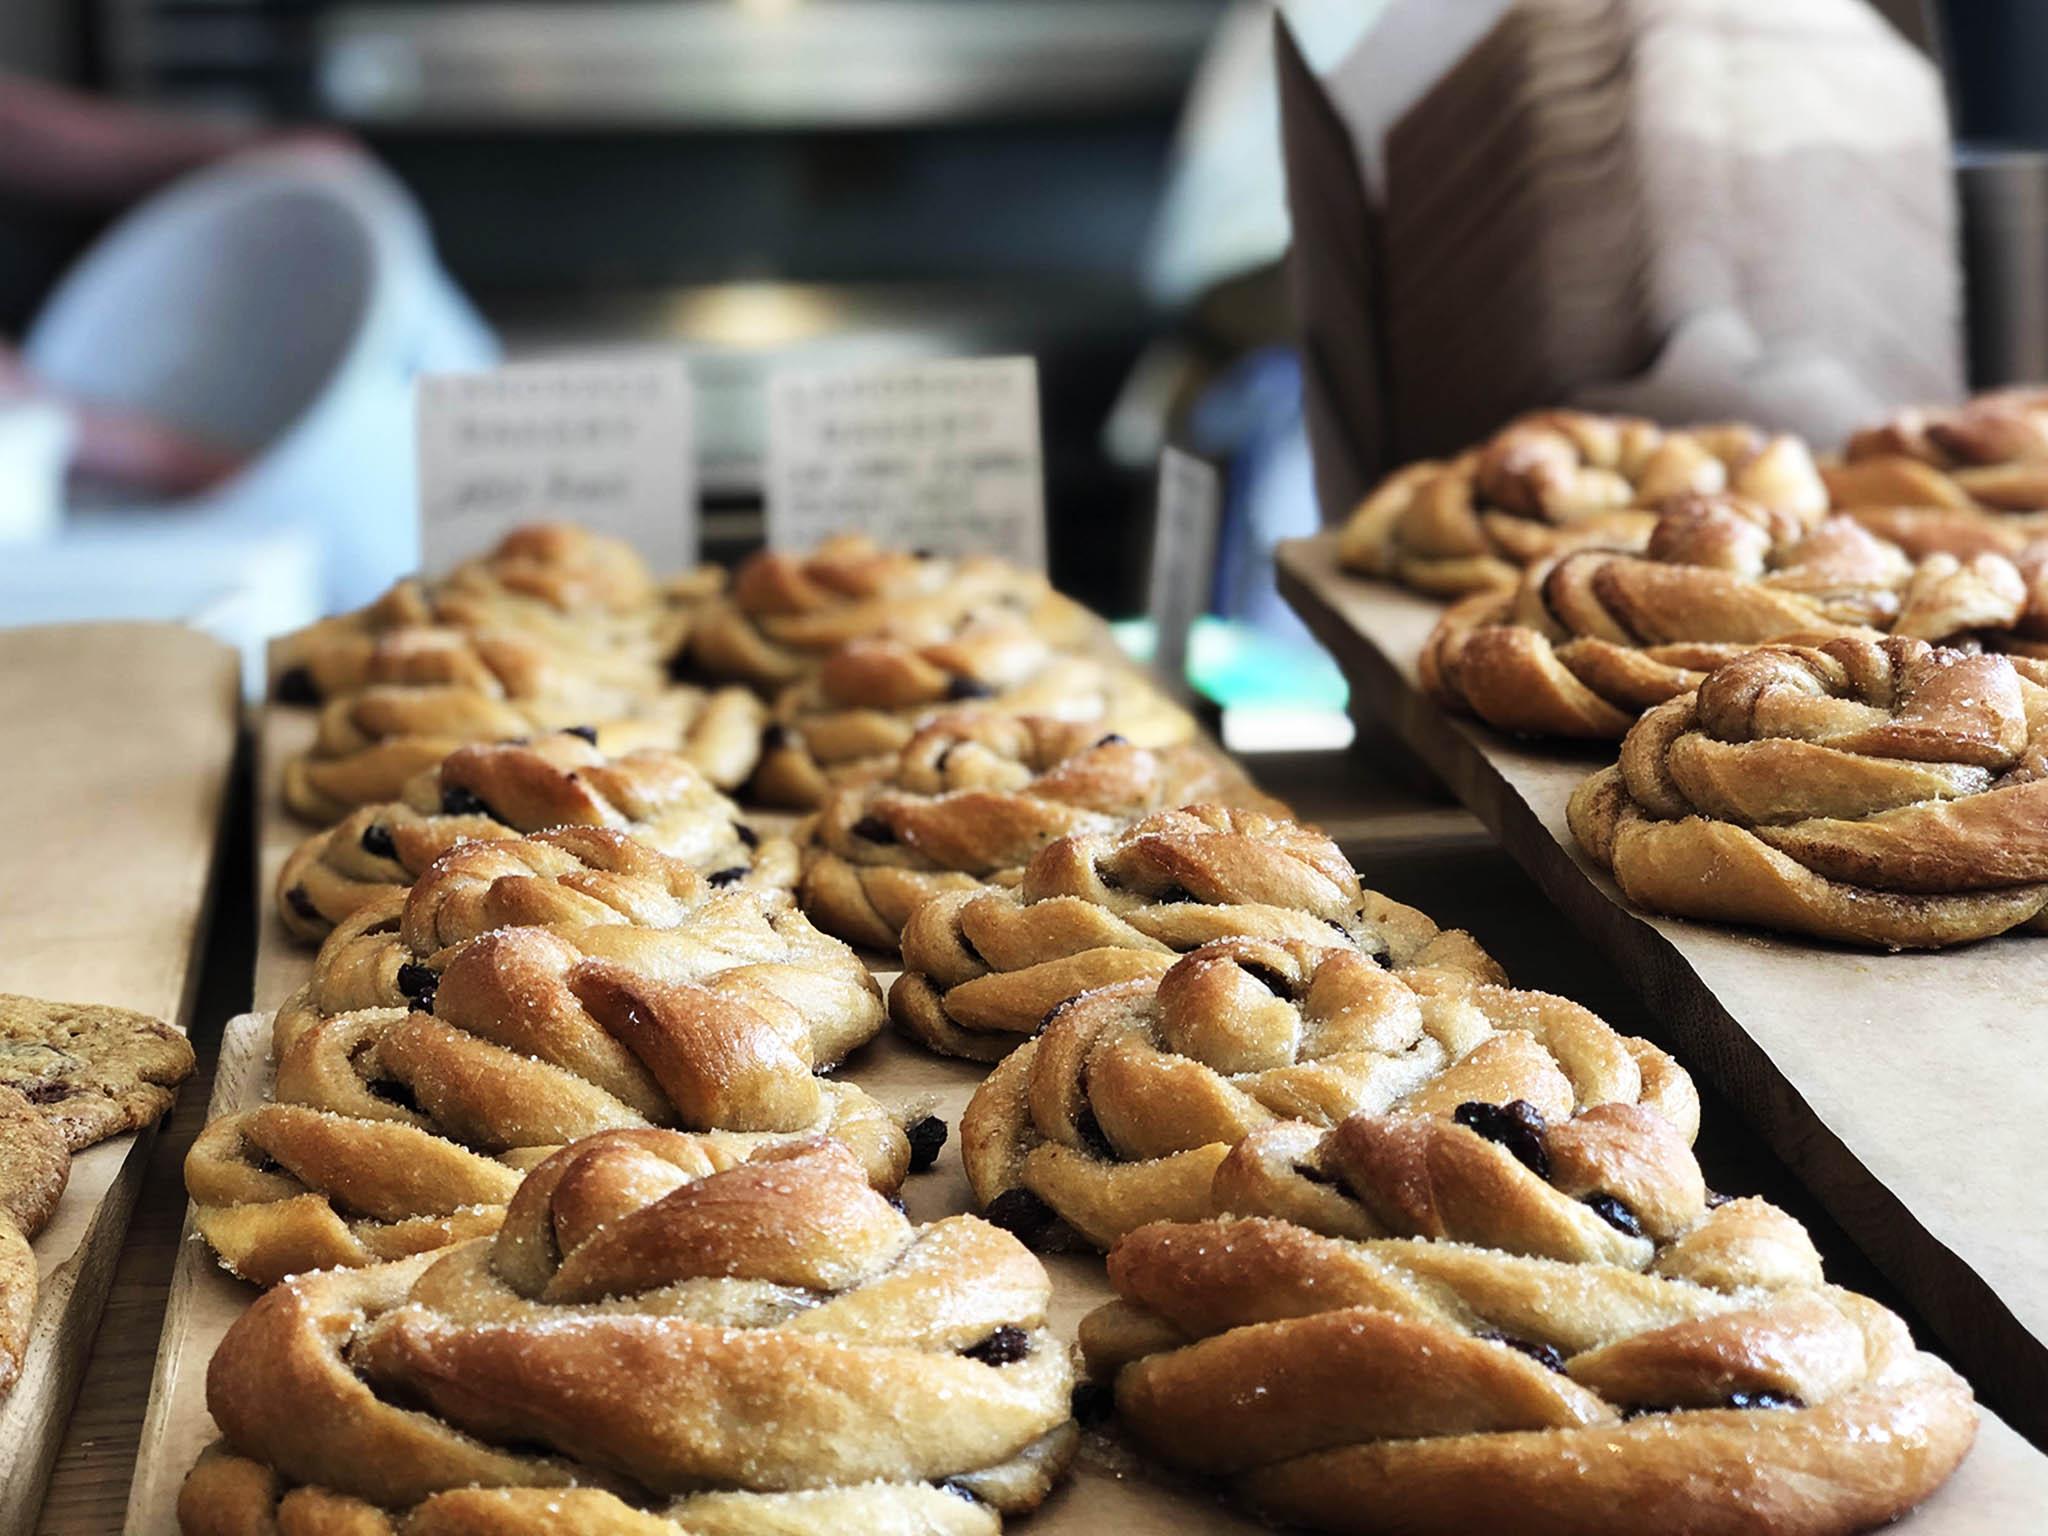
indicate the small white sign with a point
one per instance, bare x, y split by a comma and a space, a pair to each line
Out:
607, 443
1183, 569
944, 456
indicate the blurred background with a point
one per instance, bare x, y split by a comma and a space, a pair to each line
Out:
318, 189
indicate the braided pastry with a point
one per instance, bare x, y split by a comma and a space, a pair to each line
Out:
371, 744
1123, 1107
786, 613
662, 1339
1415, 1386
609, 896
1988, 453
1556, 481
847, 722
586, 599
503, 664
972, 797
1586, 641
500, 790
1880, 792
982, 969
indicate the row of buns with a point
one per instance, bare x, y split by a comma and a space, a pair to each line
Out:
563, 1218
1829, 679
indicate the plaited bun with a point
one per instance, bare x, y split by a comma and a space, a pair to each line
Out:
1124, 1107
1879, 792
982, 969
973, 797
500, 790
663, 1339
1556, 481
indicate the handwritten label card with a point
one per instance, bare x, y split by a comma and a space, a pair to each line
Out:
604, 442
943, 456
1183, 571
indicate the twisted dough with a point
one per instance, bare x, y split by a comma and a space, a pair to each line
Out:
530, 991
972, 797
848, 721
1880, 792
663, 1339
1586, 641
1613, 1184
1123, 1107
787, 613
1990, 452
982, 969
500, 790
1423, 1387
371, 744
583, 600
1555, 481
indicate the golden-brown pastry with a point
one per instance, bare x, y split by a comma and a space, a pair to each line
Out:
505, 664
1421, 1387
982, 969
502, 790
1989, 452
972, 797
663, 1340
91, 1071
786, 613
1586, 641
847, 722
584, 601
1125, 1105
1561, 480
527, 992
1879, 792
35, 1163
371, 744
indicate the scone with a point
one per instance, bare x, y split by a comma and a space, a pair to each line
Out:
503, 789
91, 1072
34, 1166
1125, 1105
972, 797
1500, 1321
663, 1339
982, 969
1556, 481
1879, 792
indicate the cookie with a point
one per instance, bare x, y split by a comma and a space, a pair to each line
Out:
34, 1163
91, 1072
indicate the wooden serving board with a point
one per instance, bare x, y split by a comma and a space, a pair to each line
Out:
1909, 1092
120, 744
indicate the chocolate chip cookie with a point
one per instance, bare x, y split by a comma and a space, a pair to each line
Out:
91, 1072
34, 1163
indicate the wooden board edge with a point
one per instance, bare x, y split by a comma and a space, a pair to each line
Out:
2006, 1362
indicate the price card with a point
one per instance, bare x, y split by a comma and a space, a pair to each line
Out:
1183, 569
606, 442
943, 456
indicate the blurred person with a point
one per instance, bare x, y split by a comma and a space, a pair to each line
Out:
75, 152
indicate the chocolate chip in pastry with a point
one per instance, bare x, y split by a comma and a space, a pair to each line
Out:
90, 1071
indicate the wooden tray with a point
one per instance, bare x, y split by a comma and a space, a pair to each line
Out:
1908, 1092
120, 745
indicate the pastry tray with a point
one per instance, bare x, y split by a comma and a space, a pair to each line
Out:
120, 749
2003, 1483
1907, 1091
